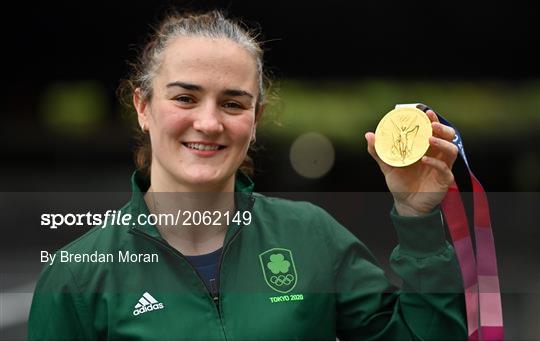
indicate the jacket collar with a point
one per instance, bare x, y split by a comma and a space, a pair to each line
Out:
140, 183
243, 188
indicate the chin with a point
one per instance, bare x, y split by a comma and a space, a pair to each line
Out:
204, 177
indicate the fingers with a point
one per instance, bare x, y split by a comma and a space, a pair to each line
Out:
440, 130
443, 153
445, 174
432, 116
445, 149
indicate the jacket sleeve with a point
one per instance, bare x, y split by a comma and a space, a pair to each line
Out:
57, 313
430, 303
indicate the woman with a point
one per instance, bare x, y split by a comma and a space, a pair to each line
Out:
282, 269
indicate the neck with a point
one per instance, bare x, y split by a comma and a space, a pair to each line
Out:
171, 202
201, 224
164, 182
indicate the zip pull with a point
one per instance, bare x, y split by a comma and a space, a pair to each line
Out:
214, 290
216, 304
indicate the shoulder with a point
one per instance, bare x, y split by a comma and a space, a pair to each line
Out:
102, 237
281, 207
84, 257
302, 214
280, 204
316, 229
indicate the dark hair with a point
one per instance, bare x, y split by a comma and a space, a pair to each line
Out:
211, 24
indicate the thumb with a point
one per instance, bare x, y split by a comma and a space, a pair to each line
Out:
370, 138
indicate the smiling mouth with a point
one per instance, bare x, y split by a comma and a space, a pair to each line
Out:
203, 147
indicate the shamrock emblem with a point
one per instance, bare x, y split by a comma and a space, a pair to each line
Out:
278, 264
278, 269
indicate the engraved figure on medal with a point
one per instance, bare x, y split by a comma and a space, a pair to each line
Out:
403, 136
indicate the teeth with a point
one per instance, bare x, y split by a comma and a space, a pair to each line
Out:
202, 147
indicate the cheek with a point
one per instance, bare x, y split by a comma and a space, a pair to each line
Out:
241, 128
169, 122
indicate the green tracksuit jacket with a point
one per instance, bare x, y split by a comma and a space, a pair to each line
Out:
293, 273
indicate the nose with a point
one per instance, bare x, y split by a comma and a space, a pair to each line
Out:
208, 120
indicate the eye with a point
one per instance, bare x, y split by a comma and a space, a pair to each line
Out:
184, 99
233, 105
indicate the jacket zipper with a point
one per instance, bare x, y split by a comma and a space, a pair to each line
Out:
175, 252
249, 207
213, 296
225, 248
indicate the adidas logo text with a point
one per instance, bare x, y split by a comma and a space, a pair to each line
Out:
147, 303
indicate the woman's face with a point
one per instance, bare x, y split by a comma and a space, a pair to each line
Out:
201, 117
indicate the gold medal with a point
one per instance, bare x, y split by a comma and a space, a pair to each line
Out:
402, 136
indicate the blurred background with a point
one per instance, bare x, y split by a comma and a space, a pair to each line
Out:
338, 67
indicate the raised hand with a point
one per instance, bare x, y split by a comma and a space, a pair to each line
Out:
418, 188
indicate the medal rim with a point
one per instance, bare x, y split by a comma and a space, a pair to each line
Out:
378, 133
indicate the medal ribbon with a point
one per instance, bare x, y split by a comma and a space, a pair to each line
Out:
478, 270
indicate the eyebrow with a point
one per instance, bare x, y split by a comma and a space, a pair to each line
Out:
194, 87
187, 86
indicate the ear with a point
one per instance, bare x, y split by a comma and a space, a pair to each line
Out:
254, 133
142, 108
258, 114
